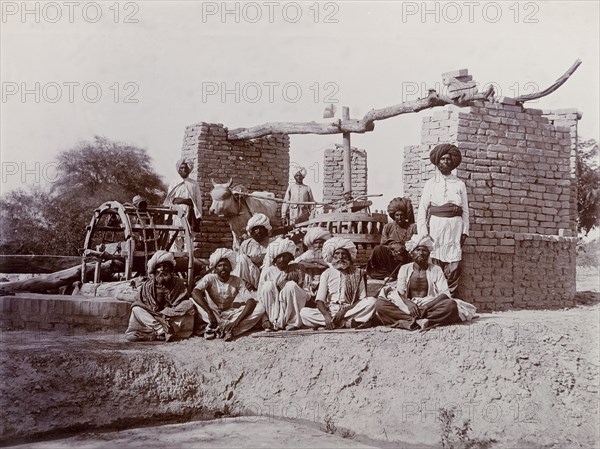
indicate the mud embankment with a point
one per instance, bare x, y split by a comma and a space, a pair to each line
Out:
526, 379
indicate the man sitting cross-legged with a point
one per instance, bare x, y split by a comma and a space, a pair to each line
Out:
280, 288
222, 300
341, 298
162, 310
422, 298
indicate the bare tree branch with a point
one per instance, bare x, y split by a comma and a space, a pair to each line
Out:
367, 124
363, 125
559, 82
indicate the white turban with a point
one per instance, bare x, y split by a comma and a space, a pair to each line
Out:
160, 256
419, 240
300, 170
222, 253
335, 243
280, 246
258, 220
316, 233
187, 161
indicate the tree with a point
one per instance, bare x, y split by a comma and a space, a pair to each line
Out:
588, 186
54, 221
24, 228
117, 170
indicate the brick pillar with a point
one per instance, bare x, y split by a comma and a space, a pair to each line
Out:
259, 165
333, 178
567, 119
517, 169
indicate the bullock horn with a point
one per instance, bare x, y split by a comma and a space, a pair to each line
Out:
230, 182
213, 182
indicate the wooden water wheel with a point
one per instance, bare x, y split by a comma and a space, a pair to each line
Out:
125, 232
353, 221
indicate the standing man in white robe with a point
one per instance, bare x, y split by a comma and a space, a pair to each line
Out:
444, 213
185, 195
297, 193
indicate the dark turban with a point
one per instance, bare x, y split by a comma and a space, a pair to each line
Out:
402, 204
445, 148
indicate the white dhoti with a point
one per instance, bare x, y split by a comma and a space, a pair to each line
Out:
283, 307
445, 233
227, 316
142, 323
361, 312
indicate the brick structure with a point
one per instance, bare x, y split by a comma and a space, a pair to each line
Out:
518, 167
62, 313
333, 173
259, 165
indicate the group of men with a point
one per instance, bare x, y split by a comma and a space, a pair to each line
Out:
279, 284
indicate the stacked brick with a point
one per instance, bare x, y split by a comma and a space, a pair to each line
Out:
441, 127
333, 179
259, 165
459, 83
568, 118
520, 182
65, 314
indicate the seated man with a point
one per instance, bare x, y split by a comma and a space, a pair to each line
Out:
280, 288
388, 256
341, 298
422, 298
312, 259
253, 250
314, 240
223, 302
162, 310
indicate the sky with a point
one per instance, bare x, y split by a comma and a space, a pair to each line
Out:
140, 72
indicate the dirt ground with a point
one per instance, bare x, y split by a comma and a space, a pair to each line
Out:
522, 379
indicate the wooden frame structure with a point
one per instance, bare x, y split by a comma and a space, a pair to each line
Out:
125, 232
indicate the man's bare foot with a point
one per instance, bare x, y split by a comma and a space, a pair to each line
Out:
267, 326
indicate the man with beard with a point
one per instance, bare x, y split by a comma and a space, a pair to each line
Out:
392, 253
185, 195
314, 240
444, 212
253, 254
253, 250
222, 300
162, 310
312, 260
341, 298
422, 299
281, 288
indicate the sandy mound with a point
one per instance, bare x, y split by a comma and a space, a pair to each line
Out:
524, 379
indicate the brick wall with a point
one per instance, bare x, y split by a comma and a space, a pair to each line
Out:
568, 118
66, 314
333, 179
258, 164
518, 170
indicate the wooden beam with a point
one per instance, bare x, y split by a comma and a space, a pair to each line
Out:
363, 125
367, 124
53, 281
33, 263
559, 82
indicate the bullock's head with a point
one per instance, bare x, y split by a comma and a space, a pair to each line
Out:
223, 200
